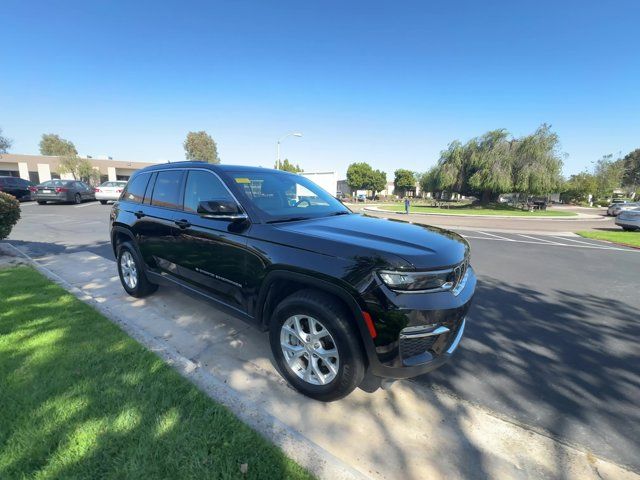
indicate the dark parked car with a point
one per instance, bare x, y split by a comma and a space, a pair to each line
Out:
347, 299
20, 188
64, 191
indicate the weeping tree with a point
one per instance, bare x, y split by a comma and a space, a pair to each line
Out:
496, 163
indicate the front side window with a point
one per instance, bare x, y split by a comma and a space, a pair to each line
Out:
203, 186
135, 189
166, 191
284, 196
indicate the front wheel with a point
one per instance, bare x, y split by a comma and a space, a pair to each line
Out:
316, 346
628, 229
42, 202
103, 202
77, 199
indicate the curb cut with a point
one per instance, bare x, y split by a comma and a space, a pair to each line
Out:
303, 451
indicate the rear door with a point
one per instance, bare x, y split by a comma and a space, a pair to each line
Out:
156, 227
210, 252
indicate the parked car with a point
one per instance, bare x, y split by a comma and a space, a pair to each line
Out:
64, 191
347, 299
20, 188
615, 208
361, 198
109, 191
629, 219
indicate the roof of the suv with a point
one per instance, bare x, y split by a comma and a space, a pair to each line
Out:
211, 166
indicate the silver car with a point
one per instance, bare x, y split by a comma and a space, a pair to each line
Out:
110, 191
615, 208
629, 219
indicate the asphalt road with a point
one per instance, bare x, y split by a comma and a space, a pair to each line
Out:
552, 341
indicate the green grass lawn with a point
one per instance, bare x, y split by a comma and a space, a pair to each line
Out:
617, 236
475, 210
80, 399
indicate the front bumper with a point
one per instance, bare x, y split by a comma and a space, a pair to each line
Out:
416, 333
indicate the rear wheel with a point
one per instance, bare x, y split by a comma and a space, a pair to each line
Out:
42, 202
629, 229
103, 202
77, 199
131, 272
315, 346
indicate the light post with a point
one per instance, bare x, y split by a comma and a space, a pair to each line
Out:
292, 134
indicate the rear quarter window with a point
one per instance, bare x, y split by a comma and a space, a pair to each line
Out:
135, 189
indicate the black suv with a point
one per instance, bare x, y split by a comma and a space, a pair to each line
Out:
347, 299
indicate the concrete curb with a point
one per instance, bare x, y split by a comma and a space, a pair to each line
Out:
578, 217
309, 455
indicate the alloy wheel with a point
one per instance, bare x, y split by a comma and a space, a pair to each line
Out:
129, 270
309, 349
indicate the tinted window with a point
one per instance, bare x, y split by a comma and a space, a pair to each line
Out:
203, 186
166, 192
135, 189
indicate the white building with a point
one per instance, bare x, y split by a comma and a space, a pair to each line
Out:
326, 180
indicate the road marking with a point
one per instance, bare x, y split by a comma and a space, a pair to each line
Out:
577, 241
540, 239
87, 204
595, 247
505, 239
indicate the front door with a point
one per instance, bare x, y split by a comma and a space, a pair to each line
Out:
212, 255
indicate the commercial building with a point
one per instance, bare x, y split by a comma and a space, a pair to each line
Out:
40, 168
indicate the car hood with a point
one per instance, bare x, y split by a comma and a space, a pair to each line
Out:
421, 246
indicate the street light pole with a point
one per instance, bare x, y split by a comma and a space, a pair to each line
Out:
292, 134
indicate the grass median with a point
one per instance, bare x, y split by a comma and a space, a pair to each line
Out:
615, 236
79, 398
478, 210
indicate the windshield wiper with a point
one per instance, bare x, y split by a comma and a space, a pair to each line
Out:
290, 219
339, 213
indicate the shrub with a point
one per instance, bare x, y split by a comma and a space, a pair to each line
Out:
9, 214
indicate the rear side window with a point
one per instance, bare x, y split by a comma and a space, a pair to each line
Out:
166, 192
135, 189
203, 186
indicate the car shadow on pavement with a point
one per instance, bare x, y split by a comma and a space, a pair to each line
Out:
40, 249
540, 360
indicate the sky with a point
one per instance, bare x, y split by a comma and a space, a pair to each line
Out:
389, 83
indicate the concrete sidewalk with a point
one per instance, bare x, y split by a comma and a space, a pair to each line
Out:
405, 432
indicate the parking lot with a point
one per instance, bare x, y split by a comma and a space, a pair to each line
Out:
552, 341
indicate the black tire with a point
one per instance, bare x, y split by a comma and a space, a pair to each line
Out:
629, 229
103, 202
338, 322
143, 286
42, 202
77, 199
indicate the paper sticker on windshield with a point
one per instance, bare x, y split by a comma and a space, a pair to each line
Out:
243, 180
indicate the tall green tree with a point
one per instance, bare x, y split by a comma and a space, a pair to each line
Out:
79, 168
608, 172
359, 176
429, 181
52, 144
378, 181
200, 146
5, 143
579, 187
288, 166
537, 163
631, 163
404, 181
490, 165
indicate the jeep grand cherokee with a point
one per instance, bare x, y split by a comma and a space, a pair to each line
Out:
347, 299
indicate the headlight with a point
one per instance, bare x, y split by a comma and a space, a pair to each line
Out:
423, 281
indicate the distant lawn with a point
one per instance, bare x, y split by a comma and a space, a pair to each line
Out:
476, 210
80, 399
622, 237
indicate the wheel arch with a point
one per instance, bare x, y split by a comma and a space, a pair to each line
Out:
120, 234
279, 284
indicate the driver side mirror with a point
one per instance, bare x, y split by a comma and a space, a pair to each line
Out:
221, 209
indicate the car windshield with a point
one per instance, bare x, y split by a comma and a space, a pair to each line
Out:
284, 196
